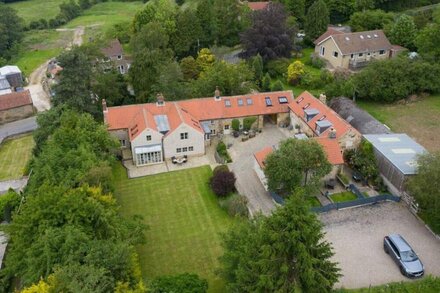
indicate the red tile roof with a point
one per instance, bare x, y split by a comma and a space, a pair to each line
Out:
191, 112
332, 150
330, 32
261, 156
330, 146
258, 5
307, 101
15, 99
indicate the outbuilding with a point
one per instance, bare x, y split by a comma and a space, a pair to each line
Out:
396, 155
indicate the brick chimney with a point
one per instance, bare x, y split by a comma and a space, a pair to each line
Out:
332, 133
323, 99
217, 96
104, 109
160, 99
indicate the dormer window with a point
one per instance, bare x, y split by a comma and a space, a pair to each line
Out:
227, 103
309, 114
249, 101
268, 102
240, 102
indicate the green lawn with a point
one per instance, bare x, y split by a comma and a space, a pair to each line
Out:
419, 119
313, 201
31, 10
428, 284
184, 222
14, 155
343, 196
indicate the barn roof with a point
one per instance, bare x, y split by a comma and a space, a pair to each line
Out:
358, 118
399, 149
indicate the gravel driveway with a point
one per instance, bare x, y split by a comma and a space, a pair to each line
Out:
357, 237
247, 183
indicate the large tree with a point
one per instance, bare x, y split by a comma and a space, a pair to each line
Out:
426, 189
296, 163
228, 22
370, 20
187, 35
340, 10
404, 31
75, 87
317, 20
285, 252
11, 30
269, 34
428, 42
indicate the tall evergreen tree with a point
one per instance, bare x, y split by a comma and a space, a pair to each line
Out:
317, 20
285, 252
205, 15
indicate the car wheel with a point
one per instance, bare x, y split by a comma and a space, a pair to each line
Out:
402, 271
386, 249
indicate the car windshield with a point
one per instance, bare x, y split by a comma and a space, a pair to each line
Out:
408, 256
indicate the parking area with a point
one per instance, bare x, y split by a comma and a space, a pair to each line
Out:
242, 154
357, 237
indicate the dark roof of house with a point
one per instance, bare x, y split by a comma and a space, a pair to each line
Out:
368, 41
358, 118
15, 99
114, 48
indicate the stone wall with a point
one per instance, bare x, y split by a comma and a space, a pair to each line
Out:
16, 114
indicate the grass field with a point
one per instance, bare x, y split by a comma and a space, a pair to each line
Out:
420, 119
343, 196
428, 284
31, 10
103, 16
313, 201
14, 155
184, 222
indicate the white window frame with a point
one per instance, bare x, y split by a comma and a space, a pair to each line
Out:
191, 149
226, 126
335, 54
184, 149
148, 137
381, 52
183, 135
178, 150
322, 51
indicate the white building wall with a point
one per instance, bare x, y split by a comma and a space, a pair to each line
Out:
141, 140
195, 139
260, 174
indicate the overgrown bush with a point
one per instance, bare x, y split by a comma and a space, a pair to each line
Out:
9, 202
363, 160
235, 124
317, 81
277, 86
316, 62
223, 152
248, 121
220, 168
235, 205
179, 283
223, 183
277, 67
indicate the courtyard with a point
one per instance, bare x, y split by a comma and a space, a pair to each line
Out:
357, 238
184, 222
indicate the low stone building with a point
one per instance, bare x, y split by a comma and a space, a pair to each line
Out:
358, 118
15, 106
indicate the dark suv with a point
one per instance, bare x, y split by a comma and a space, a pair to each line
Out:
403, 255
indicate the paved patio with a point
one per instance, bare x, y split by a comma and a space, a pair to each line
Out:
248, 183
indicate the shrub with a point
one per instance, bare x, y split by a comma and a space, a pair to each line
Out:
223, 183
221, 168
277, 86
9, 202
235, 125
277, 67
317, 81
179, 283
265, 84
295, 71
248, 121
235, 205
221, 150
316, 62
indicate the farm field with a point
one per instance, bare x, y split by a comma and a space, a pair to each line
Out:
31, 10
103, 16
183, 218
14, 155
420, 119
